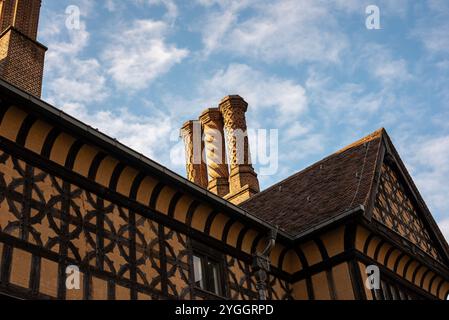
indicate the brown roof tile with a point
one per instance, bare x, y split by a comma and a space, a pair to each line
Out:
322, 191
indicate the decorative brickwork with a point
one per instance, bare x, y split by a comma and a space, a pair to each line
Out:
22, 61
217, 167
195, 166
243, 180
228, 120
21, 56
21, 14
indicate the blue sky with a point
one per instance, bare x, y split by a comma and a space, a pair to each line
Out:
138, 69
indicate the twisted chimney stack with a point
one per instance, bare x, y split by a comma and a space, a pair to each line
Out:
230, 175
217, 167
243, 180
194, 148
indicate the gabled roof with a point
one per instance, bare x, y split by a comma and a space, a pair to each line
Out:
328, 188
335, 187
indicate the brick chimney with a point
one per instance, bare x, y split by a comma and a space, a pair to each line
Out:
243, 180
191, 133
217, 167
21, 56
231, 177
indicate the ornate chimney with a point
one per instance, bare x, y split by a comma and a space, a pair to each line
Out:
217, 167
243, 180
21, 56
231, 177
196, 167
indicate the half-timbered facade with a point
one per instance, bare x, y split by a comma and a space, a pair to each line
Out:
71, 196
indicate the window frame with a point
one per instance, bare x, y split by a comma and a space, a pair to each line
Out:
206, 254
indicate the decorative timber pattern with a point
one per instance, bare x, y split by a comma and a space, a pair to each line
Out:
242, 284
394, 209
416, 276
83, 229
106, 241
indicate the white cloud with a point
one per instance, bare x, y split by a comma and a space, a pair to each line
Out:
170, 6
76, 83
171, 14
336, 103
274, 102
378, 60
428, 161
141, 54
288, 30
111, 5
432, 29
297, 129
444, 226
79, 81
443, 64
68, 77
214, 33
435, 39
285, 98
149, 135
392, 70
63, 41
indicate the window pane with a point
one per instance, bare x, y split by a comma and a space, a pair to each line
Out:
198, 271
215, 278
207, 273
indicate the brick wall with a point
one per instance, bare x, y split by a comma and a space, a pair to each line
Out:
22, 61
21, 56
6, 13
21, 14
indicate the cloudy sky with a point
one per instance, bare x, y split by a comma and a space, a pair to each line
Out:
138, 69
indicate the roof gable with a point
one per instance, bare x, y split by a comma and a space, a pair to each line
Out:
395, 209
419, 227
330, 187
340, 183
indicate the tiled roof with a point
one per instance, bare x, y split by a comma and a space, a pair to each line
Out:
328, 188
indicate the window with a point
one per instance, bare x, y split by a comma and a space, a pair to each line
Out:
208, 271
